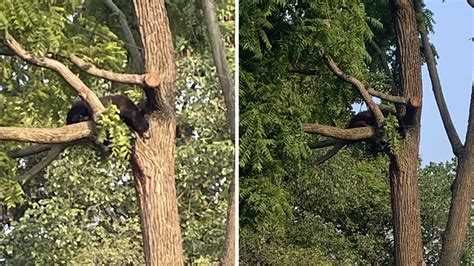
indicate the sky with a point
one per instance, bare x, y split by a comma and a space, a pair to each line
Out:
452, 32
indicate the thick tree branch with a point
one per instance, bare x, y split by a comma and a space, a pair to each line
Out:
84, 92
357, 133
47, 135
149, 80
359, 86
131, 44
453, 137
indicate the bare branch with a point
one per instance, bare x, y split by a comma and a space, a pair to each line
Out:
308, 72
326, 143
149, 80
329, 154
388, 97
50, 157
84, 92
218, 53
30, 150
357, 133
386, 67
132, 47
471, 3
453, 137
48, 135
360, 87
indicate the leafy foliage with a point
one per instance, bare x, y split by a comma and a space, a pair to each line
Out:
111, 128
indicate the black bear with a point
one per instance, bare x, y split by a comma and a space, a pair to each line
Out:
129, 113
367, 118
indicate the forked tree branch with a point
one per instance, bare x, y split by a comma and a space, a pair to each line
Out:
357, 133
84, 92
49, 135
131, 44
149, 80
453, 136
359, 86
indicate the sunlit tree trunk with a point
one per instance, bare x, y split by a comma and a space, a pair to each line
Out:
153, 158
404, 164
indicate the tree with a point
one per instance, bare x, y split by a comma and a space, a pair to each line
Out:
107, 51
303, 62
462, 187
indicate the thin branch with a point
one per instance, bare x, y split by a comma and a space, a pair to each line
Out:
48, 135
358, 133
383, 58
50, 157
30, 150
84, 92
149, 80
308, 72
360, 87
388, 97
329, 154
326, 143
137, 58
453, 136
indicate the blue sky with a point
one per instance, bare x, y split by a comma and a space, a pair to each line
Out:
453, 28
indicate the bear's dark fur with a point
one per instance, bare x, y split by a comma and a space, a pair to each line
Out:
367, 118
129, 113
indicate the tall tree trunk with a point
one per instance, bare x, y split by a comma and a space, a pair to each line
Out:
153, 158
463, 191
463, 187
404, 164
227, 84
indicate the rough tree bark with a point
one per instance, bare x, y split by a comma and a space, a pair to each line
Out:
227, 84
153, 158
463, 191
404, 164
